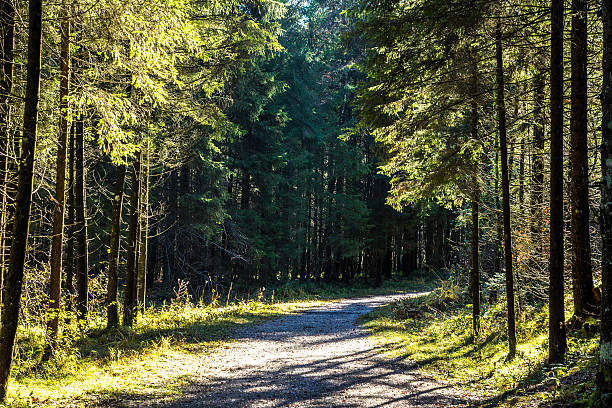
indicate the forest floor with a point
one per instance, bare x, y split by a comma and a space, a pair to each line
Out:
319, 357
407, 344
161, 358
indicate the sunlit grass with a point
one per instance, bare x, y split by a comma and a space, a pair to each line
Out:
158, 357
435, 331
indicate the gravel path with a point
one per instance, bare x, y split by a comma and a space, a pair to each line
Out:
317, 358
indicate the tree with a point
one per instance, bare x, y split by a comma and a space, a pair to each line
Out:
475, 274
23, 201
7, 27
112, 313
57, 242
144, 228
82, 251
505, 181
556, 323
131, 273
582, 274
604, 381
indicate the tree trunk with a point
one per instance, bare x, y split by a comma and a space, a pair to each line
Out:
112, 312
7, 21
537, 170
131, 265
604, 377
57, 240
582, 275
557, 343
144, 228
475, 274
171, 262
82, 264
503, 147
23, 200
69, 263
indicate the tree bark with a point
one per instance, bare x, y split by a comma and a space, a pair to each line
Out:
604, 376
69, 263
557, 342
582, 275
112, 310
132, 257
503, 147
23, 200
82, 261
537, 170
475, 274
144, 228
7, 21
57, 241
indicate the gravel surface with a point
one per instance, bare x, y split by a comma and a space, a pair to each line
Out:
316, 358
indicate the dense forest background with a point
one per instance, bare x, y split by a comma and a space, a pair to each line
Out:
204, 147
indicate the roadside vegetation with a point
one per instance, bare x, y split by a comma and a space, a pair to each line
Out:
434, 331
158, 356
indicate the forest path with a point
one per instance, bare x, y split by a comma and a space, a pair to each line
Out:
317, 358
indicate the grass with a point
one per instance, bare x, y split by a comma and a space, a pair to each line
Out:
158, 357
435, 332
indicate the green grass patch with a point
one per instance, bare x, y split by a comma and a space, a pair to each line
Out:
435, 331
157, 358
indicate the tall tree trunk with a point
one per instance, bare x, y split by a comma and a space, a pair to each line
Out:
23, 201
170, 270
7, 21
537, 170
557, 342
144, 228
132, 256
582, 275
604, 377
82, 262
57, 241
112, 312
503, 147
69, 263
475, 274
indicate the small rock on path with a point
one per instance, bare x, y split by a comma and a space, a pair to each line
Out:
317, 358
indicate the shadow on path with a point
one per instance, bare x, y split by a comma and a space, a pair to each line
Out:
317, 358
